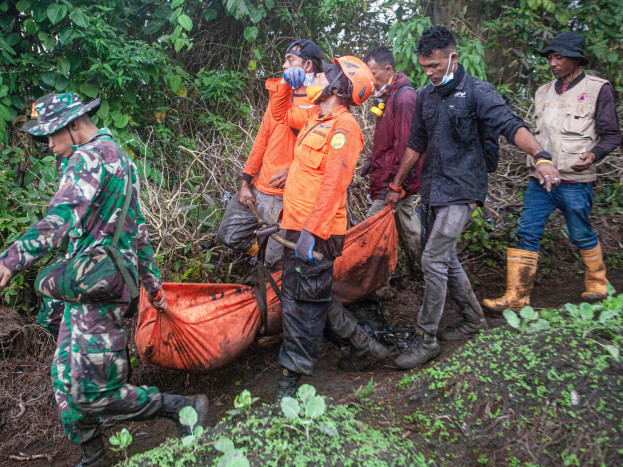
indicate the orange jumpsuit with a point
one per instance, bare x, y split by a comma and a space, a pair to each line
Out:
325, 157
273, 145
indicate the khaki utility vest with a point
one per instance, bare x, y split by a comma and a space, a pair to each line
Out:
565, 125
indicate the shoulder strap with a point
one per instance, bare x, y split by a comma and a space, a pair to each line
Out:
469, 92
126, 206
400, 89
112, 248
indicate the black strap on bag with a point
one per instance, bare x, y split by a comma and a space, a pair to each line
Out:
264, 275
112, 248
489, 141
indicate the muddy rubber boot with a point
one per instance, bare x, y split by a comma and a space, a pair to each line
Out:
173, 403
92, 446
521, 269
288, 384
424, 348
595, 277
364, 343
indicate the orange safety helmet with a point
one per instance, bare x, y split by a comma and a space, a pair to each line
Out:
360, 76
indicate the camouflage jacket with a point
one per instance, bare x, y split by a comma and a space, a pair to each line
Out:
86, 207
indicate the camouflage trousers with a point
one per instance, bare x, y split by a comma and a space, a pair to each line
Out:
90, 369
50, 315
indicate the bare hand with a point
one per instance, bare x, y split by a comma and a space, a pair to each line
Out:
5, 276
279, 179
245, 193
548, 175
588, 159
366, 167
158, 300
392, 199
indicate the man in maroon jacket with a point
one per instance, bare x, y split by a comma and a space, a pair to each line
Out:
395, 106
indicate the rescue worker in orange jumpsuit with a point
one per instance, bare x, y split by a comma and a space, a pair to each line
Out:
314, 215
266, 169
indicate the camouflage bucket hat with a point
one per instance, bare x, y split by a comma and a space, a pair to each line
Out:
52, 112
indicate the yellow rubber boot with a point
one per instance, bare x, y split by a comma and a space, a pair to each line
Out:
521, 269
595, 278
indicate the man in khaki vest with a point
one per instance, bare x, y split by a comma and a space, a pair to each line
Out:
577, 123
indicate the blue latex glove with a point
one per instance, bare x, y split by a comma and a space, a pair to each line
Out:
305, 246
295, 76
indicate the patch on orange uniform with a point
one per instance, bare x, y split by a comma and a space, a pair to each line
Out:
338, 141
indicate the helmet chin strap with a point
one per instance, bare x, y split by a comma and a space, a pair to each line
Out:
70, 135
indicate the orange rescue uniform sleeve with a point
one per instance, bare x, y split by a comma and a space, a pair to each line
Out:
256, 156
345, 144
282, 109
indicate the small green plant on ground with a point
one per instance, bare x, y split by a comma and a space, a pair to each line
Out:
188, 417
121, 441
531, 321
313, 408
231, 457
243, 403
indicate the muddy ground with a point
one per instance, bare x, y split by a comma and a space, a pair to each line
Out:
29, 425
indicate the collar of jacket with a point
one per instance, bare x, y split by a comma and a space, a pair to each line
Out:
446, 89
334, 113
558, 83
400, 80
97, 134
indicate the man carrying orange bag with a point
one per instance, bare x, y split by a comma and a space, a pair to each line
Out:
314, 216
266, 169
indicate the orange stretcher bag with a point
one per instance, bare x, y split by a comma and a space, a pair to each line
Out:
206, 326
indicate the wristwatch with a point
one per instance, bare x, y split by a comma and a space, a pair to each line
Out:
543, 155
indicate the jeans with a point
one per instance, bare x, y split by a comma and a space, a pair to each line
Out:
442, 269
574, 201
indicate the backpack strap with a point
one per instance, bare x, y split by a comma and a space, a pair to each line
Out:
112, 248
400, 89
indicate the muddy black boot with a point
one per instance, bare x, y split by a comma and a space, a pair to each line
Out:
473, 319
92, 446
464, 330
173, 403
424, 348
288, 384
363, 342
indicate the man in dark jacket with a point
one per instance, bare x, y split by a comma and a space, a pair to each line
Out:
448, 115
395, 106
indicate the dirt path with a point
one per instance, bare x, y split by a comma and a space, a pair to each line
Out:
257, 369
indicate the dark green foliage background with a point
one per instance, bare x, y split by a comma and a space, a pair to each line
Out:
186, 75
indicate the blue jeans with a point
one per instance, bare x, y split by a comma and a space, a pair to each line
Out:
574, 200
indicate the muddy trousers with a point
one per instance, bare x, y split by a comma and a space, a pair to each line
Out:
238, 226
407, 224
305, 300
90, 369
442, 269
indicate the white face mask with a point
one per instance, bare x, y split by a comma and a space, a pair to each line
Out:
447, 77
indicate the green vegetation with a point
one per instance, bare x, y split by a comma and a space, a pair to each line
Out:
121, 441
305, 432
555, 389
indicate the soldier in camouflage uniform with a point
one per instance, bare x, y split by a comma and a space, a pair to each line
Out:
90, 368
